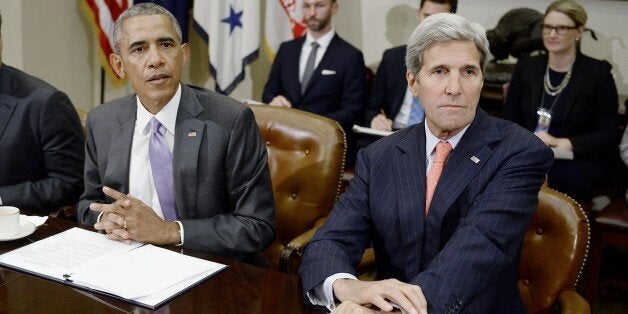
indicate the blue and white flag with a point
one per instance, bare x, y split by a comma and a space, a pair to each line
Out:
231, 29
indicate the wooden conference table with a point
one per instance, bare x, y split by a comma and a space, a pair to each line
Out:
241, 288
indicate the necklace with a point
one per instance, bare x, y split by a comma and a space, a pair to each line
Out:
555, 90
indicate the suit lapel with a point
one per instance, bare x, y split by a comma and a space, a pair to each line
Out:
7, 84
409, 173
119, 158
569, 94
7, 107
328, 57
462, 167
293, 73
536, 88
189, 133
401, 84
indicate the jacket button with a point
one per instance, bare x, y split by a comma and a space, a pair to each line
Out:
526, 282
293, 195
539, 231
267, 143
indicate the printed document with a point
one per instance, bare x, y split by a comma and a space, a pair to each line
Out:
145, 274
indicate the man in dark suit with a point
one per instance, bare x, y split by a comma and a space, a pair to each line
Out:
41, 143
390, 104
334, 85
173, 164
444, 203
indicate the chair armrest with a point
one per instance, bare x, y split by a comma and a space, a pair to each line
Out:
366, 268
571, 302
290, 258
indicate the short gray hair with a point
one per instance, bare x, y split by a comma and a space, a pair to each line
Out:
444, 27
141, 9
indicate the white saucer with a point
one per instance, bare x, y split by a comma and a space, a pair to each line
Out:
26, 229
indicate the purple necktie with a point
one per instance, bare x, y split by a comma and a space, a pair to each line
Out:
161, 165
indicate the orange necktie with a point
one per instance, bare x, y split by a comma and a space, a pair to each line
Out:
440, 156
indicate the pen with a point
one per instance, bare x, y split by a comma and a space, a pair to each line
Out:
383, 113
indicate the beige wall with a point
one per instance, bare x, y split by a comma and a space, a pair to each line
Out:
52, 39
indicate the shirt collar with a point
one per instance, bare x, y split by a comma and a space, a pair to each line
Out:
431, 140
322, 41
167, 116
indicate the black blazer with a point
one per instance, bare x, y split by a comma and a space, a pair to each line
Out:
337, 89
590, 118
41, 144
389, 87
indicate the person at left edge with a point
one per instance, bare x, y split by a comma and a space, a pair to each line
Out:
222, 191
41, 143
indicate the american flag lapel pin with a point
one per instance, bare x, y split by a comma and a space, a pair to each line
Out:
475, 159
192, 134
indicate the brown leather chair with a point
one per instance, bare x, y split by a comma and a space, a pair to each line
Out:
83, 118
306, 155
610, 227
553, 255
554, 252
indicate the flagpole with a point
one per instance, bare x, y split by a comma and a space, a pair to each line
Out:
102, 85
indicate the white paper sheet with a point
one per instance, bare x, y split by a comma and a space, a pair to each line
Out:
35, 220
360, 129
58, 254
562, 154
141, 272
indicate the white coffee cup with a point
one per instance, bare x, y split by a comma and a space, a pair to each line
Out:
9, 221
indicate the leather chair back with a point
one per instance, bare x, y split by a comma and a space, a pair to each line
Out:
82, 114
554, 251
306, 158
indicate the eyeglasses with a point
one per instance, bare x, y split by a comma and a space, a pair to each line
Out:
560, 29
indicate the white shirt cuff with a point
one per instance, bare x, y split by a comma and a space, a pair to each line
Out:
181, 233
323, 294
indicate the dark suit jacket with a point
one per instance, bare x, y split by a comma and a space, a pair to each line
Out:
339, 96
590, 117
465, 254
41, 144
222, 183
390, 85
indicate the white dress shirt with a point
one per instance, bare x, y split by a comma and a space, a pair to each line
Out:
323, 43
141, 185
401, 120
324, 294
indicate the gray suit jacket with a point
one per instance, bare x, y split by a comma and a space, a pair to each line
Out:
41, 144
222, 183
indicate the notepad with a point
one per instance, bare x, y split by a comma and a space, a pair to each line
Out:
363, 130
146, 275
562, 154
